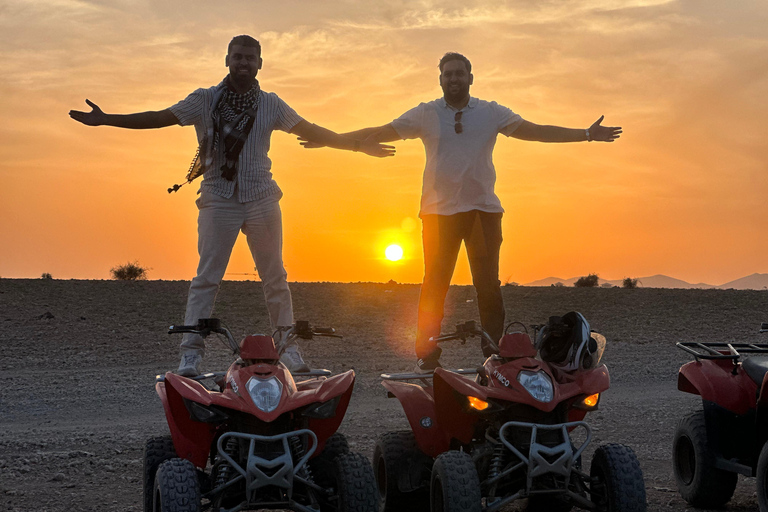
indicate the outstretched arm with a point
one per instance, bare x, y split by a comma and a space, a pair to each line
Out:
544, 133
138, 121
317, 136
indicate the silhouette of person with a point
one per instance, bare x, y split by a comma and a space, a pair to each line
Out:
458, 201
234, 121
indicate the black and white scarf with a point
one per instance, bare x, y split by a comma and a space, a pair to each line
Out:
233, 117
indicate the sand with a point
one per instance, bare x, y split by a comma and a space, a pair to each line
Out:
79, 358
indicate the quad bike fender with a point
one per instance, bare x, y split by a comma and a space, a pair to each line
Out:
716, 382
191, 439
584, 382
419, 407
451, 403
339, 386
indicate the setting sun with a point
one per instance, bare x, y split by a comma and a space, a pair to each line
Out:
394, 252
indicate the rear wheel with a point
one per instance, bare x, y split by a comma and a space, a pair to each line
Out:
395, 458
156, 451
762, 479
176, 487
700, 483
455, 485
617, 480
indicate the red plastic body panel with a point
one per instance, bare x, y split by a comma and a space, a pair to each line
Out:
419, 406
439, 414
714, 381
258, 346
503, 383
517, 344
192, 439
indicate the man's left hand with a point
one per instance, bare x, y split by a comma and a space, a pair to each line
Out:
604, 133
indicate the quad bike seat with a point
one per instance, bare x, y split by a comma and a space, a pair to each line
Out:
756, 367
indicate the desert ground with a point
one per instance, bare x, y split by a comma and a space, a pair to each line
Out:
79, 360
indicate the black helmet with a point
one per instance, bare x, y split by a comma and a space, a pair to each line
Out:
565, 342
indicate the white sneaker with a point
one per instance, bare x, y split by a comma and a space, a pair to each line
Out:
292, 359
190, 364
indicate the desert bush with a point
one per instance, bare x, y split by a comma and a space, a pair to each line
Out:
46, 275
558, 284
589, 281
629, 282
129, 272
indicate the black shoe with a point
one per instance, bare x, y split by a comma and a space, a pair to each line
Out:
429, 363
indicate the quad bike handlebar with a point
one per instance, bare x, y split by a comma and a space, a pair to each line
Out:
206, 326
466, 330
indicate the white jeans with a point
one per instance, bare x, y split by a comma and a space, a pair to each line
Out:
219, 222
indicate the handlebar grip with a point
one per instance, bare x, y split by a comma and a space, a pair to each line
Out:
182, 328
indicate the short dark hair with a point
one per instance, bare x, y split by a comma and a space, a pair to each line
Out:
244, 41
455, 56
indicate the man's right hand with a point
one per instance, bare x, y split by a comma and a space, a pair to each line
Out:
376, 149
369, 147
93, 118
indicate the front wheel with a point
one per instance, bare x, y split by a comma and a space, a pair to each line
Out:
397, 457
355, 485
700, 483
762, 479
156, 451
616, 480
176, 487
455, 485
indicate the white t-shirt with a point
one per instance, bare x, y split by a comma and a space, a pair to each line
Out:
459, 175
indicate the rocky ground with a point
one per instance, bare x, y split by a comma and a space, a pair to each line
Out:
79, 358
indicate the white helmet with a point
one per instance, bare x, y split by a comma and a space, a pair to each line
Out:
566, 343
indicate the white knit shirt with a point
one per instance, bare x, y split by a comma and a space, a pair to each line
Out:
459, 175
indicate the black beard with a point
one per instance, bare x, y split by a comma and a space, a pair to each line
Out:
242, 81
462, 93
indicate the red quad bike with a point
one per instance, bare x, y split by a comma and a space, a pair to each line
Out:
254, 438
727, 436
514, 432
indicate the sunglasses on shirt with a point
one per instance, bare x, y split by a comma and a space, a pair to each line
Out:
457, 119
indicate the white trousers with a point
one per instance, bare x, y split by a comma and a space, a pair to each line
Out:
219, 222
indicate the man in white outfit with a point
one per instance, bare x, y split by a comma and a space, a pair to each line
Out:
234, 121
458, 200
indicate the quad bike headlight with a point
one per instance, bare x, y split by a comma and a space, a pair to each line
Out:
538, 384
265, 393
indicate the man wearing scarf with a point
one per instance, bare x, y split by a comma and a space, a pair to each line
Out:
234, 121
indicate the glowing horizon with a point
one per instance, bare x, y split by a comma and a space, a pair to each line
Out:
682, 193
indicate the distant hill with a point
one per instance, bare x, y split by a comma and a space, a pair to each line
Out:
753, 282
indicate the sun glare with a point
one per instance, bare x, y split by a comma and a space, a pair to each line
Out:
394, 252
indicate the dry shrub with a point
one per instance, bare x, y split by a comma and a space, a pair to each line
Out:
629, 282
129, 272
589, 281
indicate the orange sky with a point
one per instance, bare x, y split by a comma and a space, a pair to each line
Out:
682, 193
